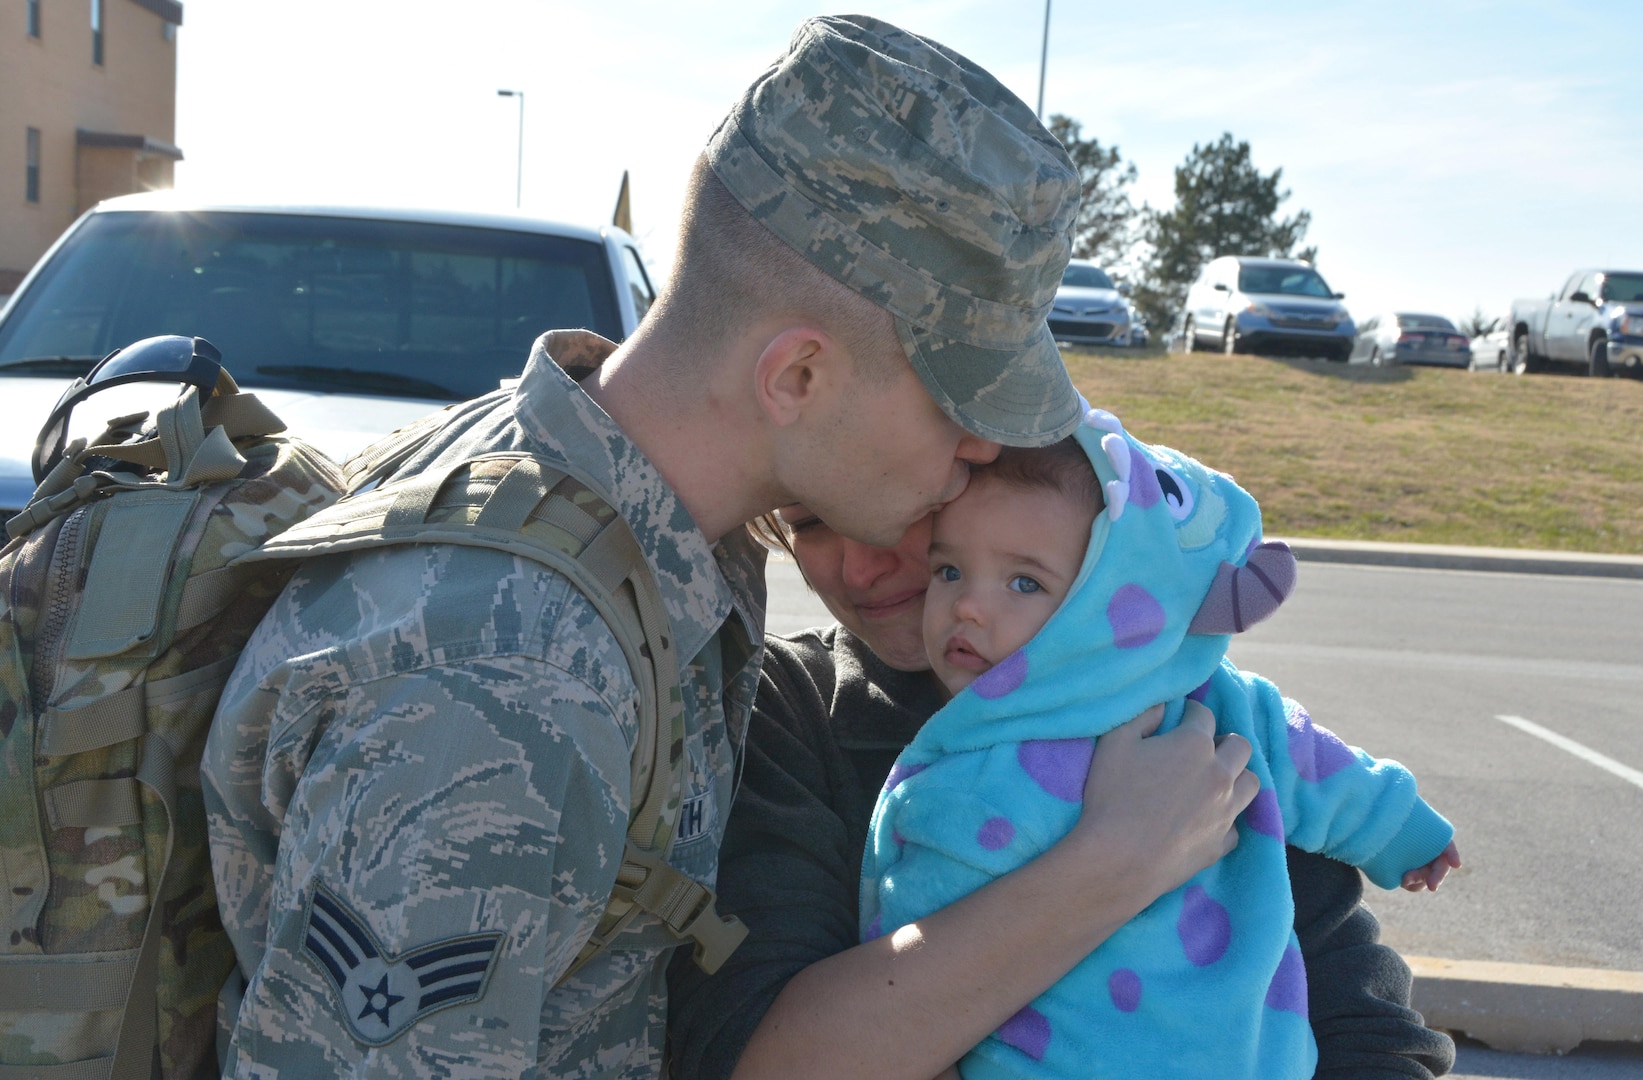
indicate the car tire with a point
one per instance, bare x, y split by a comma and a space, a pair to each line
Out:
1229, 337
1375, 357
1524, 362
1189, 336
1597, 359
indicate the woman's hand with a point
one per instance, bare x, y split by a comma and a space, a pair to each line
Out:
1160, 808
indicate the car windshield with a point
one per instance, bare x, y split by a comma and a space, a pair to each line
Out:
1426, 322
1623, 288
385, 307
1086, 277
1282, 281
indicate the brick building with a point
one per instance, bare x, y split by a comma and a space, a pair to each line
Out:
88, 107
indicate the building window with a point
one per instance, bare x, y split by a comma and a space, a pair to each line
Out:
34, 18
31, 183
97, 32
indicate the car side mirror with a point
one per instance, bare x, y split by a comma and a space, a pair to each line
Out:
1220, 287
1339, 296
1124, 288
1579, 297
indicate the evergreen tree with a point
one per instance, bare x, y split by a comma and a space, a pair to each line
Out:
1106, 224
1223, 206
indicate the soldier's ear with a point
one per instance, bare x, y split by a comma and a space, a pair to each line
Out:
796, 372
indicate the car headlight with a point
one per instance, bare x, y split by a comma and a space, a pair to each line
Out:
1631, 324
1257, 308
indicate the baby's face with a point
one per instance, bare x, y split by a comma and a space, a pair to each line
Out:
1001, 561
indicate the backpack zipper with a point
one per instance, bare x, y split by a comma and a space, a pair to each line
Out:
61, 584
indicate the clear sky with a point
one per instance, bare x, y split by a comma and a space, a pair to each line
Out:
1454, 153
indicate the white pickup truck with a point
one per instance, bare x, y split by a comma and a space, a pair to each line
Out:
1596, 322
348, 322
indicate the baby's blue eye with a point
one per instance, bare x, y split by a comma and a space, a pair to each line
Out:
1021, 583
947, 573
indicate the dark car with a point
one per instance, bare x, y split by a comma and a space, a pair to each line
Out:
1408, 337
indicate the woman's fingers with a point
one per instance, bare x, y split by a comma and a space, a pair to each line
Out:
1139, 727
1196, 717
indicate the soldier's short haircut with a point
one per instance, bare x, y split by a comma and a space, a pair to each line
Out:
730, 271
1062, 467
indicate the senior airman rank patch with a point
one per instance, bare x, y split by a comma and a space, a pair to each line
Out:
381, 995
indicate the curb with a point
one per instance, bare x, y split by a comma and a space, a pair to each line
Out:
1528, 1008
1438, 557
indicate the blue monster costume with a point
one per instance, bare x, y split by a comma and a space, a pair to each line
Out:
1208, 981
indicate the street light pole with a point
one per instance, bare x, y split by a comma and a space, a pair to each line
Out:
1043, 60
520, 160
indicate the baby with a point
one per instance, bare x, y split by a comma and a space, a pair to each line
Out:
1072, 588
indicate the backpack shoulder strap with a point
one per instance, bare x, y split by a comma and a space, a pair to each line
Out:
524, 505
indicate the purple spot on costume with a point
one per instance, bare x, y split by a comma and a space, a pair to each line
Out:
995, 833
899, 773
875, 929
1200, 695
1135, 616
1263, 816
1027, 1031
1316, 751
1288, 989
1124, 986
1059, 766
1003, 677
1204, 927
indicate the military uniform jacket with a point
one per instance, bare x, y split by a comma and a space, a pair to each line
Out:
418, 781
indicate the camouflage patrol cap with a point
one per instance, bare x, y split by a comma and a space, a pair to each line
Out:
912, 176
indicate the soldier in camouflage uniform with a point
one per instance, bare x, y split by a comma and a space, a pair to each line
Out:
418, 774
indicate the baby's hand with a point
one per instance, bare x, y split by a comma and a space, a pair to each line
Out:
1432, 874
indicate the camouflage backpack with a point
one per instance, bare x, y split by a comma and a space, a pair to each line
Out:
121, 616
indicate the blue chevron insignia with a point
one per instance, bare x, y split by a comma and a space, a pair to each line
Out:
381, 996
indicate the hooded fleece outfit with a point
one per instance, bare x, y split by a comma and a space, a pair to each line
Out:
1208, 980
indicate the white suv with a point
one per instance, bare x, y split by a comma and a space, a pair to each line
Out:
1241, 304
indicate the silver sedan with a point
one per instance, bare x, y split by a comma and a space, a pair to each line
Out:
1089, 309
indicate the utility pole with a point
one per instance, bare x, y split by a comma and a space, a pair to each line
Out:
520, 158
1043, 61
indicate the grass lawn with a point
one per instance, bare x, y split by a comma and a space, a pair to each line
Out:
1416, 454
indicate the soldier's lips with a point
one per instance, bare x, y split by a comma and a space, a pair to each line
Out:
897, 604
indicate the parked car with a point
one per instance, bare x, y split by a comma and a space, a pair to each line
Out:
348, 322
1089, 309
1406, 337
1283, 306
1596, 322
1492, 351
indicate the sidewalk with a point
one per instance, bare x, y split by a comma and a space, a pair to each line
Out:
1522, 1008
1434, 557
1527, 1008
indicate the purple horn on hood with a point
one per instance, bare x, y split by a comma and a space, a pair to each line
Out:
1242, 596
